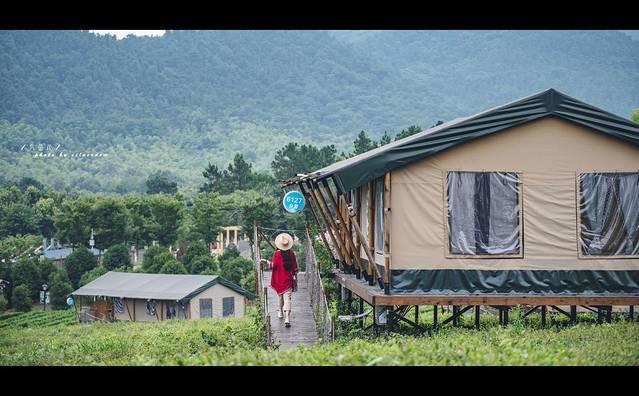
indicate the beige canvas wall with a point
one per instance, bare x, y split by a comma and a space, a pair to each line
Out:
548, 153
216, 293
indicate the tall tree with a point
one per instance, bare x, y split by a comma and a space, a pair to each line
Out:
214, 179
294, 158
240, 173
109, 221
363, 144
160, 182
167, 213
411, 130
116, 256
81, 260
208, 215
72, 220
141, 223
385, 139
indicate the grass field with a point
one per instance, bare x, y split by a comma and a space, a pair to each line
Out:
240, 342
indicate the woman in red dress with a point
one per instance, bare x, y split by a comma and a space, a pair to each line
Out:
284, 274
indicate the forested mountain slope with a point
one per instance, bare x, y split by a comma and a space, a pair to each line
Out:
178, 101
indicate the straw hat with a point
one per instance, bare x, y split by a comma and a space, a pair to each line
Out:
284, 241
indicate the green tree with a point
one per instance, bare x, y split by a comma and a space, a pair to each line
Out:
60, 288
116, 256
109, 220
200, 264
160, 182
215, 180
92, 275
385, 139
235, 269
21, 298
167, 211
148, 262
17, 219
26, 272
240, 173
194, 249
72, 220
363, 144
293, 159
44, 211
81, 260
47, 269
173, 267
635, 115
142, 225
207, 216
411, 130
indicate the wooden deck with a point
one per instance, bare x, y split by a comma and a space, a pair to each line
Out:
375, 296
302, 330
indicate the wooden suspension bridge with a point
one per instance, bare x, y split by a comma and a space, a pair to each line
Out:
310, 319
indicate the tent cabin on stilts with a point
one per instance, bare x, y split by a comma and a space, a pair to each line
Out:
534, 202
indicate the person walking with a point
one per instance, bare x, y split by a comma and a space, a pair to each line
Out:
283, 266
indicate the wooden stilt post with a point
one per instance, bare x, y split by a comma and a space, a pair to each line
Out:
434, 315
609, 314
371, 226
331, 234
631, 313
417, 314
573, 314
347, 238
455, 311
477, 317
387, 232
506, 309
361, 311
543, 316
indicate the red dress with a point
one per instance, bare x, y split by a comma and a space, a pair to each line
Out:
281, 279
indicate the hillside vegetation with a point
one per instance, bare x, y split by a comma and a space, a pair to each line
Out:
240, 342
176, 102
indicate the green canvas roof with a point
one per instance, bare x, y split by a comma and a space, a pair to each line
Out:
353, 172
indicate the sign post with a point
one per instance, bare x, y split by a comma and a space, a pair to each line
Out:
293, 201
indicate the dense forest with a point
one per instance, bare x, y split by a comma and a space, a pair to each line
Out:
121, 110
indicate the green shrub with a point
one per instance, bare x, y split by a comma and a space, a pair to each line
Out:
3, 304
80, 261
201, 264
116, 256
173, 267
60, 290
22, 298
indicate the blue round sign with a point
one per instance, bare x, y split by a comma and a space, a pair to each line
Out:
293, 201
70, 301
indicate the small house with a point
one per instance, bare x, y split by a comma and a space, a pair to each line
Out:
156, 297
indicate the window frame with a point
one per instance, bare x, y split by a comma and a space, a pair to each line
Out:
200, 307
580, 255
224, 315
520, 202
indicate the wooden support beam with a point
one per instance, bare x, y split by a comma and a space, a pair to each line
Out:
331, 234
347, 238
543, 316
609, 314
371, 227
477, 317
631, 313
416, 313
387, 232
573, 314
362, 242
317, 223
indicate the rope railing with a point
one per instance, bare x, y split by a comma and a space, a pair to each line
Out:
260, 288
321, 313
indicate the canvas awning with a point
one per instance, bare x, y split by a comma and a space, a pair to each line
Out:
355, 171
154, 286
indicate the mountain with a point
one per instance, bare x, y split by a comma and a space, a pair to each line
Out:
178, 101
